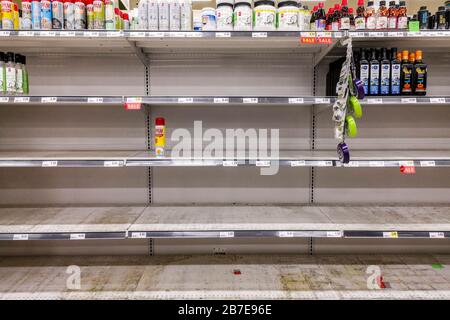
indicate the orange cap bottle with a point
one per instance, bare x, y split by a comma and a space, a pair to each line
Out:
419, 55
405, 55
412, 57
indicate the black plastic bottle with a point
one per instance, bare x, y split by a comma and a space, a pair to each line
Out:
395, 73
423, 15
385, 73
441, 22
364, 71
406, 75
420, 72
374, 64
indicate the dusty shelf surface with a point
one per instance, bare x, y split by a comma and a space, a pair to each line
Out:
226, 277
224, 218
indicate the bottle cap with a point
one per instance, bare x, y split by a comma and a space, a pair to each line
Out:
412, 56
16, 8
125, 16
160, 122
402, 3
441, 8
370, 3
391, 3
344, 3
315, 8
360, 3
405, 54
17, 58
321, 5
419, 54
382, 3
423, 8
350, 10
2, 56
9, 57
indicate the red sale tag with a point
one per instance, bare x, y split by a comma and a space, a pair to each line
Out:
307, 40
132, 106
408, 169
325, 40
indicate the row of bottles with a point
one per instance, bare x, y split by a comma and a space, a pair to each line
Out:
388, 72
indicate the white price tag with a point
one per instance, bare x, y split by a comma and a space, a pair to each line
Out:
259, 34
352, 164
409, 100
357, 34
338, 35
226, 234
408, 163
185, 100
113, 164
92, 34
77, 236
5, 33
376, 164
376, 34
139, 34
322, 100
437, 100
250, 100
296, 100
26, 33
392, 34
334, 234
324, 163
194, 34
263, 163
134, 100
286, 234
47, 164
375, 100
4, 99
324, 35
22, 99
221, 100
298, 163
223, 34
429, 163
437, 235
95, 100
138, 235
49, 99
390, 235
113, 34
308, 34
230, 163
20, 237
177, 34
67, 34
155, 34
47, 34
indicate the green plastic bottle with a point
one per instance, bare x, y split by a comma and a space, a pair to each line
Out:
2, 74
25, 85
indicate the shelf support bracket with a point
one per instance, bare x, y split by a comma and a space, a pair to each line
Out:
139, 53
323, 53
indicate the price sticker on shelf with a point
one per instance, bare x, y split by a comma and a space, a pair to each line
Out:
407, 169
194, 34
437, 100
259, 34
221, 100
338, 35
133, 106
4, 99
230, 163
138, 34
296, 100
308, 38
390, 234
250, 100
47, 34
376, 164
409, 100
95, 100
49, 99
177, 34
67, 34
286, 234
113, 164
223, 34
134, 100
298, 163
324, 39
185, 100
352, 164
77, 236
155, 34
48, 164
26, 33
357, 34
139, 235
375, 101
322, 100
21, 236
263, 163
91, 34
334, 234
21, 99
5, 33
408, 163
428, 163
376, 34
324, 163
394, 34
226, 234
437, 235
113, 34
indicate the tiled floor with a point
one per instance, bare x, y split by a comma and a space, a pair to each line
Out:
227, 277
